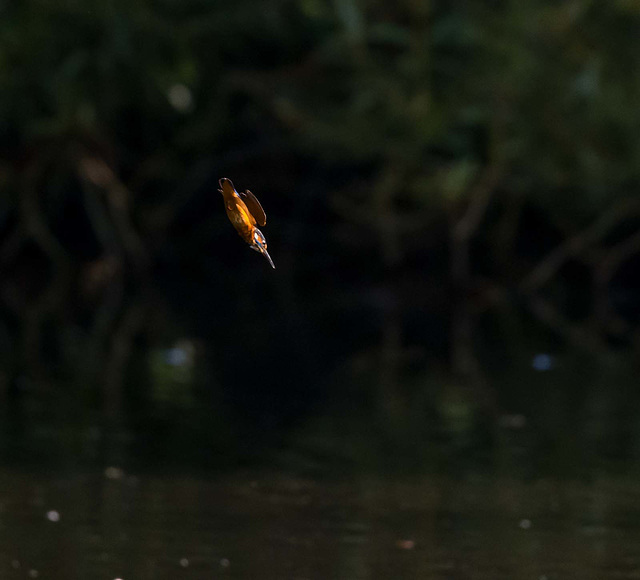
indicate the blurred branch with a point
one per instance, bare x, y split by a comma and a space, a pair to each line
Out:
386, 187
36, 223
463, 357
102, 325
479, 198
12, 245
507, 229
389, 395
96, 172
577, 335
577, 243
100, 222
121, 349
604, 270
54, 294
617, 255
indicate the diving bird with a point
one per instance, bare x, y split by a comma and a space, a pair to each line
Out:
245, 211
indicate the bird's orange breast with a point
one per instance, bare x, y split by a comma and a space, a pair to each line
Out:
241, 218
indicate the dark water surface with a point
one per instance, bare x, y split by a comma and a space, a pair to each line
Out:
424, 487
269, 525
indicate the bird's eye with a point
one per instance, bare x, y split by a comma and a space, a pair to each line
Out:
258, 238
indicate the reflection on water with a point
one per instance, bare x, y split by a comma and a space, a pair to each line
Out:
276, 526
547, 490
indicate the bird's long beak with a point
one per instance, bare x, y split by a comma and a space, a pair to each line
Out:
268, 257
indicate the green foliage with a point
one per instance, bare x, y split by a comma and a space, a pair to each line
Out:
537, 87
542, 87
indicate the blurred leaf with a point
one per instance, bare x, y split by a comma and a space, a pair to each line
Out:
456, 179
351, 18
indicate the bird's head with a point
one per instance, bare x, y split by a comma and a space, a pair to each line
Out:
259, 244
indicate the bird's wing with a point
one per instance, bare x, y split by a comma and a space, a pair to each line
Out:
253, 205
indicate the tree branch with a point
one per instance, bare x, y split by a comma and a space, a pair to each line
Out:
98, 173
578, 243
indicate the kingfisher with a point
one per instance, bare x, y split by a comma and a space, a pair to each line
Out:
245, 211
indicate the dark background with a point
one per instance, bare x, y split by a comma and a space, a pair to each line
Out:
451, 192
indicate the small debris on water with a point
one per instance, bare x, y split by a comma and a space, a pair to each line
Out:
113, 473
184, 562
543, 362
406, 544
514, 421
225, 563
180, 97
525, 524
53, 516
